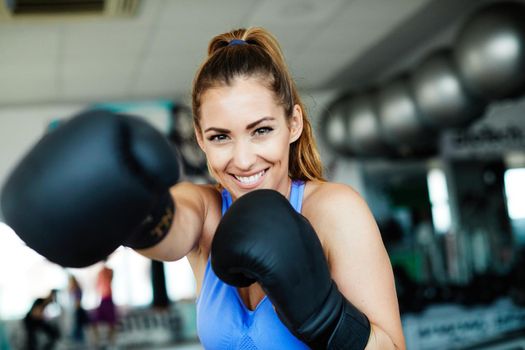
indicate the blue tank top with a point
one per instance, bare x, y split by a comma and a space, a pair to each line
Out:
223, 320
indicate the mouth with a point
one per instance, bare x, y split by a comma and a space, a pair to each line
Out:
252, 180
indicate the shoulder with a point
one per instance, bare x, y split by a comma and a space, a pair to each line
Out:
204, 196
210, 195
198, 208
339, 215
193, 189
329, 198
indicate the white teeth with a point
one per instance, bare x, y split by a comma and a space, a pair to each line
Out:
248, 180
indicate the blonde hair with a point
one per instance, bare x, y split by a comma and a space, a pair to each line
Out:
258, 55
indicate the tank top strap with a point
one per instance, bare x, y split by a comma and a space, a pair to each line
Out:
296, 195
226, 200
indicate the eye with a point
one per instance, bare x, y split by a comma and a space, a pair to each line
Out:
263, 130
218, 138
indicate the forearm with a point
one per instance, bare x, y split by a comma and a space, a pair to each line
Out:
380, 340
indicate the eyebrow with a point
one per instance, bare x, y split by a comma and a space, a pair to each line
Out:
248, 127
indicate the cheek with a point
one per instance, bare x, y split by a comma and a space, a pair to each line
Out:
217, 158
276, 151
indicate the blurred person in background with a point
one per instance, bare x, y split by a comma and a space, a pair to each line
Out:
105, 315
80, 316
36, 323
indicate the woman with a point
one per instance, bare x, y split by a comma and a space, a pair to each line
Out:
322, 276
35, 322
252, 126
80, 317
106, 312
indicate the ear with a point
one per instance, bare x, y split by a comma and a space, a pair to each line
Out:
296, 123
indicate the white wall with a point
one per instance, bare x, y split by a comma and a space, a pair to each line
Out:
21, 127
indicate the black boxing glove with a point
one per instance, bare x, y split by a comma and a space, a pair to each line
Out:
262, 238
98, 181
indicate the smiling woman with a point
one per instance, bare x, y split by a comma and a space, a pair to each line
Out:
246, 136
253, 127
281, 257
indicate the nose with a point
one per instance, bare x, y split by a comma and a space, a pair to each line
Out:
244, 155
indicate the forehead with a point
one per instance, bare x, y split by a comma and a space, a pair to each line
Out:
244, 99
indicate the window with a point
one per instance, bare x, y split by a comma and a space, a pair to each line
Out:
439, 201
515, 192
25, 275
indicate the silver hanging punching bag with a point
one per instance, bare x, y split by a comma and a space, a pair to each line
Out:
365, 136
440, 95
399, 117
181, 134
334, 126
490, 51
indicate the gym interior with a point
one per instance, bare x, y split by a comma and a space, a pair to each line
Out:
419, 105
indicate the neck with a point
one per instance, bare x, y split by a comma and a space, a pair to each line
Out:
287, 187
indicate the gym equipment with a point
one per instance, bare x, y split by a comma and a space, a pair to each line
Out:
490, 51
440, 95
400, 118
365, 136
334, 130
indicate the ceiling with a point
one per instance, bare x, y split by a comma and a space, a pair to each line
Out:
155, 53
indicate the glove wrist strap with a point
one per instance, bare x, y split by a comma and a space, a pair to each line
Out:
156, 225
352, 330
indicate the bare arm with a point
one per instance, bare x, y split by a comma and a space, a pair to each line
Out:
191, 206
358, 261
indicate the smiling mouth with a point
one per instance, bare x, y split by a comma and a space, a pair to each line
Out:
250, 180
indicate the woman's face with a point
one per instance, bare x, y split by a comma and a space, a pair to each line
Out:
246, 136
